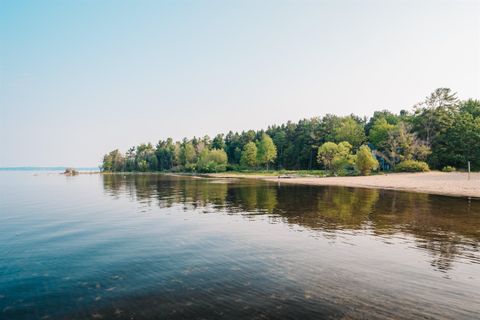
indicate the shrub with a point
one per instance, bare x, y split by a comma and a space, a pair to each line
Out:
214, 160
449, 169
232, 167
190, 167
177, 169
412, 166
365, 161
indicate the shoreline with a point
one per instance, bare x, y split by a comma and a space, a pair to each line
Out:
434, 182
453, 184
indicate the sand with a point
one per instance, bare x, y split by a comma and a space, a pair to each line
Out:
452, 184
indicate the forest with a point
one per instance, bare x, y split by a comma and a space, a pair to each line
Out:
441, 132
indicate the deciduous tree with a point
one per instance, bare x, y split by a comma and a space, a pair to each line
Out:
249, 155
266, 150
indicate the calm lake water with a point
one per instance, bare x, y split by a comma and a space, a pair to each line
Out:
151, 246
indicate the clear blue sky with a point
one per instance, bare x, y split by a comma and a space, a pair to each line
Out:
79, 78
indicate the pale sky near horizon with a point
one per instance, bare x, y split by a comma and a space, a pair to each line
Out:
80, 78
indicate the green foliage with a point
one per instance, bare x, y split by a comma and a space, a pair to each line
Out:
365, 161
335, 157
412, 166
214, 160
266, 150
434, 115
380, 132
388, 116
471, 106
142, 165
402, 144
218, 142
449, 169
188, 154
249, 155
145, 158
442, 131
328, 126
327, 153
344, 159
305, 137
189, 167
280, 141
130, 160
165, 153
351, 131
114, 161
461, 143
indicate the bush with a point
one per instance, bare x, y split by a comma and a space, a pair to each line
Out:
190, 167
365, 161
212, 161
233, 167
176, 169
449, 169
412, 166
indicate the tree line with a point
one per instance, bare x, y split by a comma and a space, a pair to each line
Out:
439, 132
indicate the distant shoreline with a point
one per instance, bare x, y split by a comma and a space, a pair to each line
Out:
58, 168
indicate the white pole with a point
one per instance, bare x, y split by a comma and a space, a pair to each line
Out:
468, 170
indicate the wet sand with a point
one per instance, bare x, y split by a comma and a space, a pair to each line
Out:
452, 184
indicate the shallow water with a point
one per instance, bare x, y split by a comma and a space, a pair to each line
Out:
151, 246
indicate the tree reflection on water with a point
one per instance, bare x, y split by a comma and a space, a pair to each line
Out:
447, 228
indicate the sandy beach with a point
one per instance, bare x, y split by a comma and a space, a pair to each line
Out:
451, 184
